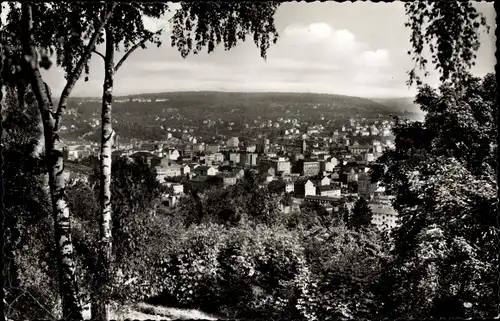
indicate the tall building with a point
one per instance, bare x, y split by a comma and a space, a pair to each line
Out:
310, 168
304, 146
265, 145
248, 159
279, 164
234, 157
365, 186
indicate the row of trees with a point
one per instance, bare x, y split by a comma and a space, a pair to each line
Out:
72, 31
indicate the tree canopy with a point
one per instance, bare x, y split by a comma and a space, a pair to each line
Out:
361, 215
200, 24
443, 175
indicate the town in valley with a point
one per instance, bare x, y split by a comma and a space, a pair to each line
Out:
319, 159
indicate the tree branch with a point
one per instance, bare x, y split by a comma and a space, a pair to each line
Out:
76, 73
97, 52
134, 47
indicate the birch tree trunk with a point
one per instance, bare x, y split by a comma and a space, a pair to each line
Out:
77, 71
71, 306
100, 312
40, 146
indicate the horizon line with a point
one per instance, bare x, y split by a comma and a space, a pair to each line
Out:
239, 92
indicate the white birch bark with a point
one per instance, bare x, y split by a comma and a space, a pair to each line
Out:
66, 266
101, 310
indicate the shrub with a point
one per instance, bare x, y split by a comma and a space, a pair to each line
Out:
241, 272
345, 264
138, 275
189, 273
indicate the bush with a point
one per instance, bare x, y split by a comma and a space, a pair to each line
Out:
188, 274
345, 265
137, 276
241, 272
34, 292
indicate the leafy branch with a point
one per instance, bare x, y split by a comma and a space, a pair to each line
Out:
451, 31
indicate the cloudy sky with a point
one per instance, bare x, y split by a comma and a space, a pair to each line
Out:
344, 48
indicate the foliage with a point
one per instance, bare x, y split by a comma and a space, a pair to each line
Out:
200, 24
59, 29
139, 233
345, 264
310, 215
20, 120
446, 202
30, 276
136, 277
245, 201
451, 30
276, 187
242, 272
287, 199
136, 192
271, 272
32, 285
462, 123
361, 215
128, 27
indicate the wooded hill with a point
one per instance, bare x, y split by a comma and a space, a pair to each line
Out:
192, 108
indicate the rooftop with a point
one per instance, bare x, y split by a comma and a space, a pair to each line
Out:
382, 209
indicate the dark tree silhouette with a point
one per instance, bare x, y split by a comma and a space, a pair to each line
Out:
361, 215
276, 187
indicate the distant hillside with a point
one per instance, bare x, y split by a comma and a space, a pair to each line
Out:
228, 111
259, 103
402, 104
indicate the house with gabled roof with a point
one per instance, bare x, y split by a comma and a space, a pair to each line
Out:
206, 171
303, 188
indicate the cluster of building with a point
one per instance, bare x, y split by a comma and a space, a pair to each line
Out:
314, 176
333, 171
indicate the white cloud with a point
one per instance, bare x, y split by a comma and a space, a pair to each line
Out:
346, 40
321, 38
312, 32
320, 43
153, 24
373, 59
313, 57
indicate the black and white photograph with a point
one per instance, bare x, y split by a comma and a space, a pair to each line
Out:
271, 160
